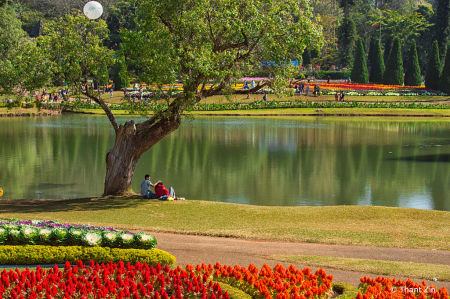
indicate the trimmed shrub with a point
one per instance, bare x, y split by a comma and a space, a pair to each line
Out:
433, 73
347, 38
41, 254
393, 74
412, 76
377, 64
359, 71
445, 76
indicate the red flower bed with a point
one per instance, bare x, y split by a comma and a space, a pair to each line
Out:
384, 288
108, 281
278, 283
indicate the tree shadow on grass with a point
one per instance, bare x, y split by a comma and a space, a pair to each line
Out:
67, 205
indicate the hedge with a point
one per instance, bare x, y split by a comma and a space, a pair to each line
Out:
41, 254
335, 75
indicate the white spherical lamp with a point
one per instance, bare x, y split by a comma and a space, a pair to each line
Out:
93, 10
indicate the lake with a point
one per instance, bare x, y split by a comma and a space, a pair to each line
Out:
273, 161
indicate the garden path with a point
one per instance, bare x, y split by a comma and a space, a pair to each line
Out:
195, 250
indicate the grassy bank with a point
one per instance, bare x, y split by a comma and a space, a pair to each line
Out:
346, 225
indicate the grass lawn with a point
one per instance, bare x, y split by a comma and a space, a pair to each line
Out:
346, 225
382, 268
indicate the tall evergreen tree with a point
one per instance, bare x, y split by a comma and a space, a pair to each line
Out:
412, 75
306, 57
445, 76
377, 65
387, 49
121, 78
371, 45
347, 39
433, 73
393, 74
442, 25
359, 70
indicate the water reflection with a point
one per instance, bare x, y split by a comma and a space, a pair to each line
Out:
261, 161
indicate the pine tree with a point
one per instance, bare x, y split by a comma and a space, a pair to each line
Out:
347, 39
433, 72
306, 57
377, 65
442, 25
387, 49
393, 74
121, 78
412, 75
445, 76
359, 70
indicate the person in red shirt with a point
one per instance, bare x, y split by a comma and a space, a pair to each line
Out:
160, 190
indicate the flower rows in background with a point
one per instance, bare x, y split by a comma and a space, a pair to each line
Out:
108, 281
36, 232
288, 103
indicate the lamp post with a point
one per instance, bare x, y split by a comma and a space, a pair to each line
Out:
93, 10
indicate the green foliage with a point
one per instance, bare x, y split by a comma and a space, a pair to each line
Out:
79, 43
442, 25
11, 32
377, 64
387, 49
445, 76
403, 26
103, 76
433, 72
359, 71
412, 75
335, 75
40, 254
121, 78
306, 57
203, 42
346, 40
393, 74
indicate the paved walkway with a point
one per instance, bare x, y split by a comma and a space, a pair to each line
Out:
195, 250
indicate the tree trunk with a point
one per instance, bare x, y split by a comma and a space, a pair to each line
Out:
131, 142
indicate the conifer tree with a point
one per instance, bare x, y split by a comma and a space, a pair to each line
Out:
412, 75
306, 57
393, 74
121, 79
359, 70
433, 73
445, 76
387, 49
377, 65
442, 25
347, 39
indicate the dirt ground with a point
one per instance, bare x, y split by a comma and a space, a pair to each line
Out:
195, 250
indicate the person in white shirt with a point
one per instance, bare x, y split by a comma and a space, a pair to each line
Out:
146, 192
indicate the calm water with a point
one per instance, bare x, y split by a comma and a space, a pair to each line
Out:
261, 161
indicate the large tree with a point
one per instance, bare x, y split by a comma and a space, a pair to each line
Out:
11, 31
201, 44
347, 40
445, 76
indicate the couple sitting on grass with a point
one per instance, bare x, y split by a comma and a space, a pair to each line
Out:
161, 192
